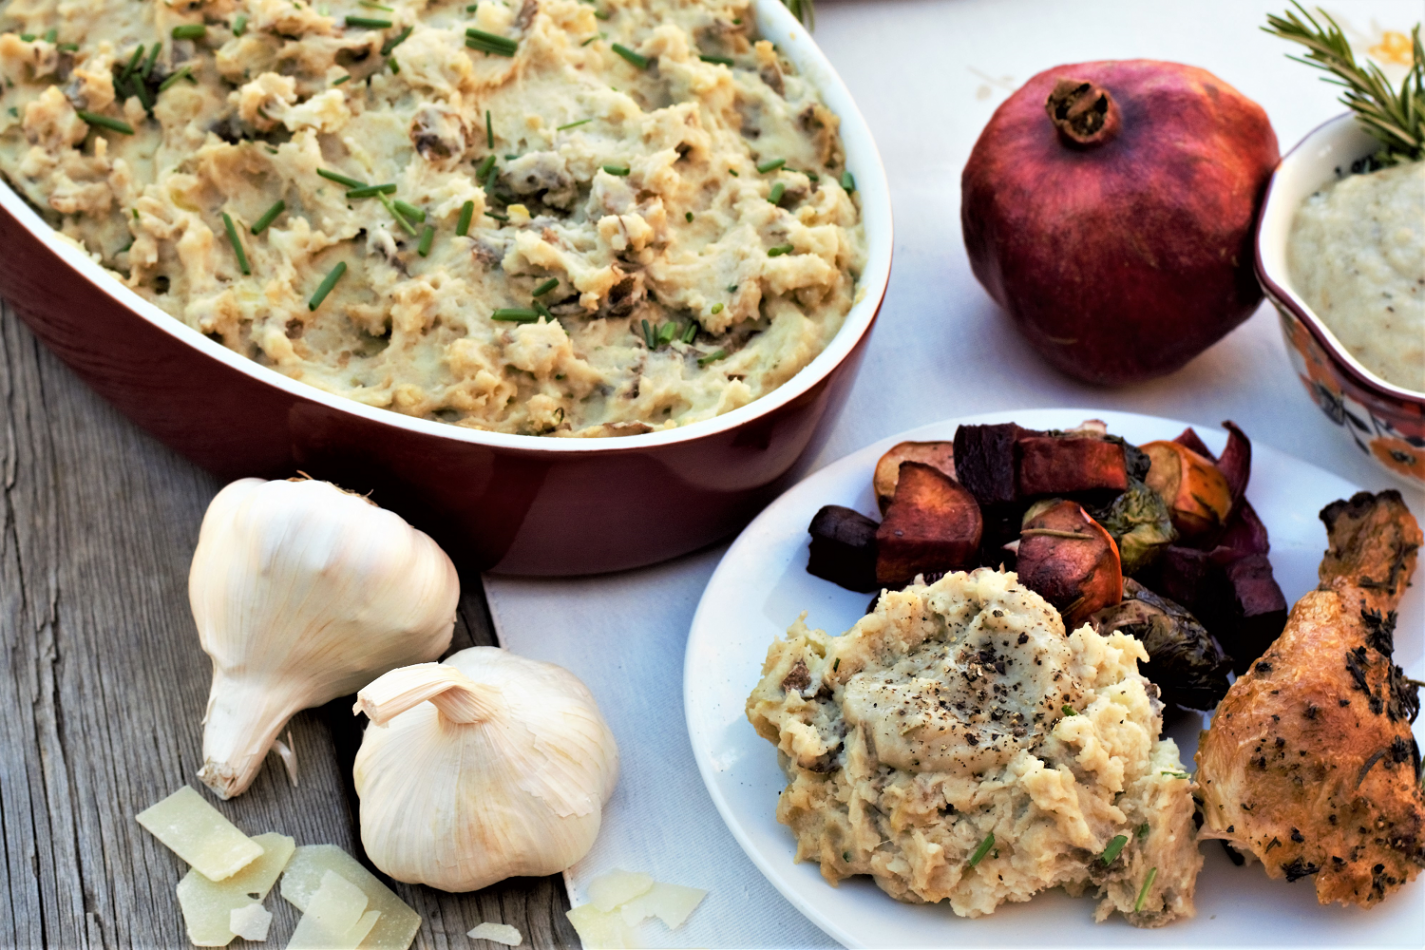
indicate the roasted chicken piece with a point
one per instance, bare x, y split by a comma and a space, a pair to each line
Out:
1310, 764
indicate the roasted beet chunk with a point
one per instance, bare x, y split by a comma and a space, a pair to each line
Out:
1255, 610
1050, 465
843, 548
932, 524
985, 461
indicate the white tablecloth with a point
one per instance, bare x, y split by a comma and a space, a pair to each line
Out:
927, 74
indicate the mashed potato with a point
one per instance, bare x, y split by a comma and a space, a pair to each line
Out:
956, 745
639, 218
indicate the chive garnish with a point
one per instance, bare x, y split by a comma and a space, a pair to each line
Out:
620, 171
472, 8
600, 15
467, 214
778, 189
152, 58
771, 166
133, 63
591, 39
837, 665
691, 331
544, 311
848, 182
185, 73
371, 191
396, 40
1174, 774
240, 25
779, 250
1138, 905
812, 176
339, 179
104, 122
489, 133
504, 218
400, 218
667, 332
572, 125
983, 849
515, 315
268, 217
688, 216
545, 287
732, 288
395, 66
1114, 847
717, 308
640, 61
717, 60
236, 243
28, 37
325, 287
410, 212
346, 78
427, 236
141, 91
490, 43
52, 36
373, 5
711, 358
1143, 830
370, 23
1070, 710
733, 173
72, 47
486, 165
190, 31
648, 338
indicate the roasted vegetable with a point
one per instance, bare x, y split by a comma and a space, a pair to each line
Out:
843, 548
1236, 461
932, 524
1198, 497
1183, 661
1069, 559
1050, 465
1140, 524
985, 461
940, 455
1253, 611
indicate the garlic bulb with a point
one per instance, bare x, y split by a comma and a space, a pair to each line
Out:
483, 767
302, 593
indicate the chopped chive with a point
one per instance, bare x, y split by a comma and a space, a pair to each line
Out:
240, 25
346, 78
515, 315
732, 288
600, 15
268, 217
427, 236
717, 308
983, 849
545, 287
133, 63
812, 176
28, 37
779, 250
648, 335
711, 358
190, 31
1143, 830
1114, 847
339, 179
400, 218
771, 166
396, 40
141, 91
489, 133
52, 36
104, 122
472, 8
270, 150
1138, 904
544, 312
688, 216
848, 182
620, 171
497, 216
778, 189
640, 61
152, 58
236, 243
1174, 774
185, 73
395, 66
737, 22
591, 39
667, 332
718, 60
837, 665
373, 5
371, 191
325, 287
483, 169
467, 214
572, 125
72, 47
733, 173
489, 181
490, 43
411, 212
370, 23
691, 330
1070, 710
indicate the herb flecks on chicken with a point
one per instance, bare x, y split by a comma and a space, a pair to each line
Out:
1310, 763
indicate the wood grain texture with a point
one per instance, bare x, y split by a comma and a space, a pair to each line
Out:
103, 687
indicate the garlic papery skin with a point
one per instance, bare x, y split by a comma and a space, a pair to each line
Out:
486, 766
303, 592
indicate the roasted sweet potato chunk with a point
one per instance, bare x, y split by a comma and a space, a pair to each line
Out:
938, 455
985, 461
1050, 465
933, 524
1198, 496
1070, 560
843, 548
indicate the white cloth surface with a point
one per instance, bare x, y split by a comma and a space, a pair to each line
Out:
927, 74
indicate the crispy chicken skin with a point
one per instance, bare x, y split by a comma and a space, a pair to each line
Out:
1310, 763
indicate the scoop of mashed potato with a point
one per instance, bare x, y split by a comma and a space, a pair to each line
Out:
957, 745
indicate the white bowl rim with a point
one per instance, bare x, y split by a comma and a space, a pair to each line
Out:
1277, 284
863, 160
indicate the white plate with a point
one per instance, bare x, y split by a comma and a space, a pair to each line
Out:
762, 584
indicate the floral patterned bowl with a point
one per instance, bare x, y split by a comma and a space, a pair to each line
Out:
1385, 421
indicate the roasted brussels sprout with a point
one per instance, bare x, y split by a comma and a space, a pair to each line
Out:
1140, 523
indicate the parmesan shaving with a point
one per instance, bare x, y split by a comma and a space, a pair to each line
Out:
670, 903
608, 891
498, 933
600, 930
336, 917
396, 925
208, 905
621, 900
199, 834
250, 922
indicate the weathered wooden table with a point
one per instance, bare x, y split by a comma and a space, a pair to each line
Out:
103, 685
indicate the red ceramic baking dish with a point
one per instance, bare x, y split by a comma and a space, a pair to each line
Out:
511, 504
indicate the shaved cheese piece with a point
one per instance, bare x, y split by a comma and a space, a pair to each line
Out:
207, 904
670, 903
601, 930
608, 891
397, 924
498, 933
199, 834
336, 917
250, 922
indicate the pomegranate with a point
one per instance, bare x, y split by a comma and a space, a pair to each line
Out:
1109, 207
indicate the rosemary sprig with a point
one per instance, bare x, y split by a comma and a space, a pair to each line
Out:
1395, 119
